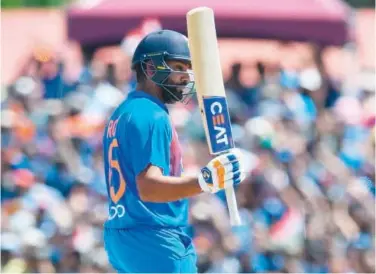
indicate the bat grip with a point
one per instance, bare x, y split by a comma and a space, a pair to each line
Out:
232, 207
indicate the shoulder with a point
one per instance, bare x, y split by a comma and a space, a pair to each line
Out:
144, 114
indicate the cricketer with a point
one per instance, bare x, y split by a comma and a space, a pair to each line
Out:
148, 196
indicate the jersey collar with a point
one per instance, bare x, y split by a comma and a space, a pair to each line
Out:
143, 94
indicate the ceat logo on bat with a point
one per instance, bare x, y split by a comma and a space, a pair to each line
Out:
218, 123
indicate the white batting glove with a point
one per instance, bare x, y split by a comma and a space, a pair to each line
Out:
223, 171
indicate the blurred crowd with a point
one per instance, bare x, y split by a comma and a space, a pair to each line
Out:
307, 204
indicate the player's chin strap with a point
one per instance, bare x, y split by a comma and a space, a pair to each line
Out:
160, 75
183, 97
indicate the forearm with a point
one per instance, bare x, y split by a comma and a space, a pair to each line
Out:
167, 188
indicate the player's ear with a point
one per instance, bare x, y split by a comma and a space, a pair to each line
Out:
150, 69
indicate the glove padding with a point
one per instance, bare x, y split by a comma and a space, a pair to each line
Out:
223, 171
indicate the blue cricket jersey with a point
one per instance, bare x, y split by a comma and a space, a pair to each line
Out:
140, 133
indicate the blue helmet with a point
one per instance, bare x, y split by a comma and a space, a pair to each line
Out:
160, 47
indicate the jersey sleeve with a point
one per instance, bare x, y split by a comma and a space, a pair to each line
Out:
150, 143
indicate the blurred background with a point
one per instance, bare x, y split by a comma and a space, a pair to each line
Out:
300, 81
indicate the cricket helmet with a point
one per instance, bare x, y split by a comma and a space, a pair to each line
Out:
159, 47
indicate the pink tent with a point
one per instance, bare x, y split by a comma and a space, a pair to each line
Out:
322, 21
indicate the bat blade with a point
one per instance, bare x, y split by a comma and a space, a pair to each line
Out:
210, 89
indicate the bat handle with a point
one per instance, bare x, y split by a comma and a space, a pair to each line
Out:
232, 207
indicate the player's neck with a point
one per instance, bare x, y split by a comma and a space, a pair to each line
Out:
150, 90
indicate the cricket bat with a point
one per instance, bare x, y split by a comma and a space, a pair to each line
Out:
210, 89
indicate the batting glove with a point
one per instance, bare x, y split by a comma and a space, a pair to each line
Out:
223, 171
